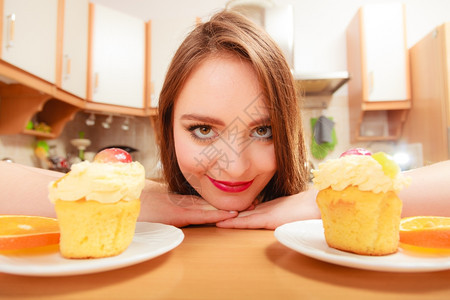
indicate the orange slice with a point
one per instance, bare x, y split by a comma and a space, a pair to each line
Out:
22, 232
425, 234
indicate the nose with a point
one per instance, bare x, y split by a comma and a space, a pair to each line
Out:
234, 161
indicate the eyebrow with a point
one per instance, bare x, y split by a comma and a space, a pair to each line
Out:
264, 120
205, 119
210, 120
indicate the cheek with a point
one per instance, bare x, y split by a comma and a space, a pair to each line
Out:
264, 159
187, 152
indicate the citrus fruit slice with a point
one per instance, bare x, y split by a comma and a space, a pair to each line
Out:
390, 167
426, 234
22, 232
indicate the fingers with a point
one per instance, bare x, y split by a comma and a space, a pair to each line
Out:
196, 216
253, 221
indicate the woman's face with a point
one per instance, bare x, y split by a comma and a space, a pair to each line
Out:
222, 133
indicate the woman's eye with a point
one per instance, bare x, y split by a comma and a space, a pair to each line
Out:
202, 132
263, 132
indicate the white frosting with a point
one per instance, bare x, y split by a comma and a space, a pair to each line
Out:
102, 182
356, 170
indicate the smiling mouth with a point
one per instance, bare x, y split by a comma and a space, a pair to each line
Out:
231, 186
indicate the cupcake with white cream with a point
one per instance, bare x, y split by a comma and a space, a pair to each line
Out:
358, 201
97, 205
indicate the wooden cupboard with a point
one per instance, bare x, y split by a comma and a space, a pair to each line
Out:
56, 86
428, 122
166, 34
117, 73
21, 104
29, 36
378, 63
72, 62
29, 68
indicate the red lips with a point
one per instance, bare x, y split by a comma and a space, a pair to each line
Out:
231, 186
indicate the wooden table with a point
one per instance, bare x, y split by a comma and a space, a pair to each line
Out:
213, 263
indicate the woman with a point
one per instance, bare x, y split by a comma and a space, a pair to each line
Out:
230, 72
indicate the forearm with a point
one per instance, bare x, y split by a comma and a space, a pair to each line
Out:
429, 192
151, 201
25, 190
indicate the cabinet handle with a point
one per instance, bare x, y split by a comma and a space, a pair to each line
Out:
68, 67
96, 82
371, 82
11, 26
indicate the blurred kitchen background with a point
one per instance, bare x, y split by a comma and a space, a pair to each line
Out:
314, 36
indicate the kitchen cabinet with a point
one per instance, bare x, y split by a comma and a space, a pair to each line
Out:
72, 62
31, 47
21, 104
166, 36
29, 36
428, 122
58, 84
378, 63
117, 68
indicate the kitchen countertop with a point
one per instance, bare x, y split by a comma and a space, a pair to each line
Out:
214, 263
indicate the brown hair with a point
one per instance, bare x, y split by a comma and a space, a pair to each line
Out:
230, 32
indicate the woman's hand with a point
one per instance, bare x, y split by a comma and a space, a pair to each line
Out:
178, 210
271, 214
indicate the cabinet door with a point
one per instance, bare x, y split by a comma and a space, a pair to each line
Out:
166, 35
29, 36
377, 60
428, 121
74, 54
118, 58
384, 41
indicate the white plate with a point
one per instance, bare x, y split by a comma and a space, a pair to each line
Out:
150, 240
307, 237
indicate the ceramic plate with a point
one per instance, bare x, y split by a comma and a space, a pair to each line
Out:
150, 240
307, 237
